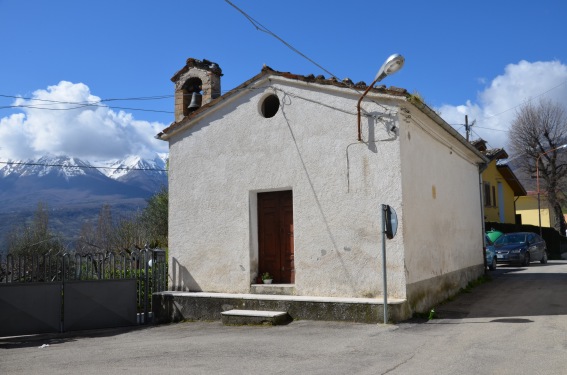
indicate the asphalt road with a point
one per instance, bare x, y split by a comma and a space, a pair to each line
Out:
514, 324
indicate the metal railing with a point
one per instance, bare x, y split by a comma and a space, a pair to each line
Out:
147, 266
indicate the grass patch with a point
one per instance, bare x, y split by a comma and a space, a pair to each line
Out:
423, 316
432, 314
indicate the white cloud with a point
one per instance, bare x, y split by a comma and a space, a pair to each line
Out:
47, 125
496, 106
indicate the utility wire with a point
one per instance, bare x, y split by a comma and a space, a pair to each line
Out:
85, 105
527, 101
141, 98
78, 105
498, 130
81, 166
156, 97
531, 98
264, 29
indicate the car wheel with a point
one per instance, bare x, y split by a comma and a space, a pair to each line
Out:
527, 260
492, 265
544, 258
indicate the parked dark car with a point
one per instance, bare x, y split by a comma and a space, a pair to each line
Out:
520, 248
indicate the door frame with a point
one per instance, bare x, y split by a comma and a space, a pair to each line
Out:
253, 234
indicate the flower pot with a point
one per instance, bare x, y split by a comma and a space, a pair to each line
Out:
267, 281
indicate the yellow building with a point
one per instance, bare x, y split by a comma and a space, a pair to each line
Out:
500, 187
526, 206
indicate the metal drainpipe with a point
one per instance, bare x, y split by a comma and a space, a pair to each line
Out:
515, 200
481, 168
358, 106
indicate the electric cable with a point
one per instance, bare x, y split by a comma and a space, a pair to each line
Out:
264, 29
80, 166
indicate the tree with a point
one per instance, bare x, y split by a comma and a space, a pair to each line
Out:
97, 238
35, 238
155, 218
130, 233
537, 130
148, 227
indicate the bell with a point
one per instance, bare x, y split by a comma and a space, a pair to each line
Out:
196, 99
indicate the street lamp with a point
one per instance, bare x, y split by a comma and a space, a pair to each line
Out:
390, 66
537, 182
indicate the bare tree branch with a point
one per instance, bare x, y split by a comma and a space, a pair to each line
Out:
536, 132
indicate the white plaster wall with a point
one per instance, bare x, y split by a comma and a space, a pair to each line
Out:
441, 199
310, 146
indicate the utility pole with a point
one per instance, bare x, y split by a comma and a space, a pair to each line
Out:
468, 127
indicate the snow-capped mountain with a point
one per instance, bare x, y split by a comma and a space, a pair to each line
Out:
61, 166
66, 181
69, 167
149, 174
116, 169
75, 190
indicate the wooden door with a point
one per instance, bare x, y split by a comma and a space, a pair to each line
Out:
275, 235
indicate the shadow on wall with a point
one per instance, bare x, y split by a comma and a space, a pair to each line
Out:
182, 279
389, 124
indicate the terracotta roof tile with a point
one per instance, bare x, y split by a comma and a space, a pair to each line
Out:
266, 70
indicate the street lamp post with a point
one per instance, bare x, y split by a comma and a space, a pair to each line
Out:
392, 64
537, 183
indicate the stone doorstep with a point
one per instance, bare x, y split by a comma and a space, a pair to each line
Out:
274, 289
237, 317
272, 297
172, 306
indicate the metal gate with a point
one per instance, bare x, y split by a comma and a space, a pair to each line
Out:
58, 293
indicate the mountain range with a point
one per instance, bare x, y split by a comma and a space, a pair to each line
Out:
73, 188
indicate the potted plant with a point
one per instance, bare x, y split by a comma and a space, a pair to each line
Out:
267, 278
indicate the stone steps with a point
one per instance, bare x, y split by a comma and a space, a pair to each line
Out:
255, 317
174, 306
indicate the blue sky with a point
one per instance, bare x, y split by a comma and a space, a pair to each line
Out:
483, 59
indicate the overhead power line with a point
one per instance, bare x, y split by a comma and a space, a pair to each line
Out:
497, 130
44, 103
156, 97
531, 98
86, 105
264, 29
527, 101
77, 105
81, 166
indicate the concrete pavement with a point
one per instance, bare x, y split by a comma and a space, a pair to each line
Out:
515, 324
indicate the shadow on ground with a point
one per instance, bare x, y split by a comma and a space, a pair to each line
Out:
49, 339
512, 294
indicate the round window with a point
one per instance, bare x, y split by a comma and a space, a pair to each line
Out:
270, 106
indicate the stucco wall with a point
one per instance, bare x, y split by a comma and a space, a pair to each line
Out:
441, 200
310, 146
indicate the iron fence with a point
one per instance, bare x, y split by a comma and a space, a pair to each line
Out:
147, 266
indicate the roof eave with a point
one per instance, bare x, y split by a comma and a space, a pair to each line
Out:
265, 74
512, 180
424, 108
